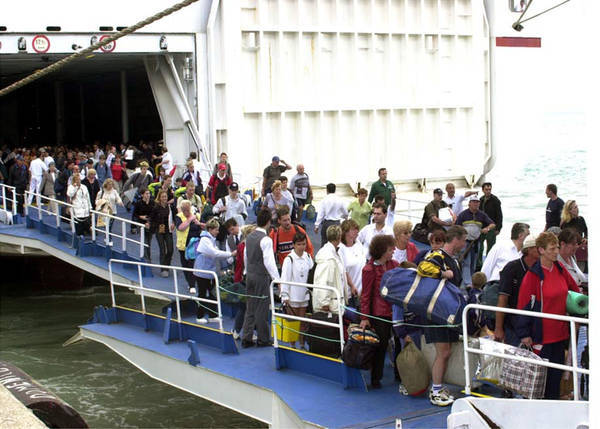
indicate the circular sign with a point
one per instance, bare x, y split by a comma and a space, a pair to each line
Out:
110, 47
40, 44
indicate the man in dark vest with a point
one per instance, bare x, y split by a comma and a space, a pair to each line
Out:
259, 261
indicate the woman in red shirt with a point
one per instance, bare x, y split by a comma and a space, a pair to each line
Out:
117, 169
381, 250
546, 283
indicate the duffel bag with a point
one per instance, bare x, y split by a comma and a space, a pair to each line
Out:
360, 347
324, 340
526, 379
413, 369
434, 300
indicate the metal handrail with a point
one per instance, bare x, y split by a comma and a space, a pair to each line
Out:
571, 319
409, 210
123, 235
175, 294
12, 190
39, 199
274, 313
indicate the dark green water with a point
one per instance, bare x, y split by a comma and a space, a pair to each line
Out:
106, 390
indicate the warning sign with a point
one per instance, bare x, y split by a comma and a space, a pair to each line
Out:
110, 47
40, 44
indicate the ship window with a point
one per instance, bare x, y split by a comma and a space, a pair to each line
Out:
105, 28
53, 28
121, 28
2, 28
517, 5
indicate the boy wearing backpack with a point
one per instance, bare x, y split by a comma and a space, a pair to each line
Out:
283, 236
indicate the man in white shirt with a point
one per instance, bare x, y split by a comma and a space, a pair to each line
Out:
111, 155
503, 253
378, 227
332, 210
232, 206
167, 162
455, 202
47, 158
36, 168
259, 261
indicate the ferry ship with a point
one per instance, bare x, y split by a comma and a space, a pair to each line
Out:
344, 86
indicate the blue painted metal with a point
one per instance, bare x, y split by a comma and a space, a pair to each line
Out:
167, 327
194, 358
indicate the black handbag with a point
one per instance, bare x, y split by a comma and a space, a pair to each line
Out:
359, 351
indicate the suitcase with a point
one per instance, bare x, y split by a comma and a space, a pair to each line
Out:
433, 300
318, 345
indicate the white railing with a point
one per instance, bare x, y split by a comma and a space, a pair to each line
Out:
123, 236
338, 296
9, 190
572, 320
39, 201
406, 207
175, 294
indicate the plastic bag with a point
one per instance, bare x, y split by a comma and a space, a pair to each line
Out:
413, 370
489, 368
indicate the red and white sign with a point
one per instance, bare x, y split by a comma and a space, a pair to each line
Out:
110, 47
40, 44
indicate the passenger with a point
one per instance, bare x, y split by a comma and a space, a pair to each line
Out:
570, 219
554, 207
330, 271
443, 337
36, 170
112, 153
570, 240
490, 205
432, 211
505, 251
166, 186
166, 161
18, 176
102, 170
332, 210
289, 196
81, 206
218, 184
261, 269
372, 304
436, 240
353, 256
191, 196
234, 237
239, 276
389, 218
295, 268
405, 249
378, 227
283, 236
547, 281
92, 185
232, 206
142, 212
383, 187
476, 223
136, 181
272, 172
455, 202
161, 224
111, 196
511, 277
300, 187
86, 167
275, 200
187, 226
118, 173
360, 209
223, 159
193, 175
478, 279
47, 186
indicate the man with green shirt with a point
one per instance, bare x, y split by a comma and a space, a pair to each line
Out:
383, 187
360, 209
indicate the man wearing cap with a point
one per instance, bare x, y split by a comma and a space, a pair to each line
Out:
218, 184
476, 223
491, 206
272, 173
511, 277
383, 187
454, 201
232, 206
432, 211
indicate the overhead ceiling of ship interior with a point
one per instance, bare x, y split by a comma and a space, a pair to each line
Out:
18, 66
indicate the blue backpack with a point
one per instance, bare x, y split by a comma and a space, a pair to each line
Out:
190, 249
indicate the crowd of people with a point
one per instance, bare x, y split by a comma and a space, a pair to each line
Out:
359, 242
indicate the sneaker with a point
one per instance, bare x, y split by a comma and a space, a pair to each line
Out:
254, 337
202, 320
164, 274
402, 389
192, 291
110, 243
213, 319
441, 399
235, 334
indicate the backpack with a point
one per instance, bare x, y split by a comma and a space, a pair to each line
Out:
489, 296
190, 248
207, 212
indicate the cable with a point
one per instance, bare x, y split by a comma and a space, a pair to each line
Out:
61, 63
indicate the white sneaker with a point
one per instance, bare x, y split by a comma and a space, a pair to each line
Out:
441, 399
402, 389
164, 274
192, 291
235, 334
202, 321
213, 319
110, 243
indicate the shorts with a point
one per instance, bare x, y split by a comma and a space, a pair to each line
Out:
301, 201
440, 335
